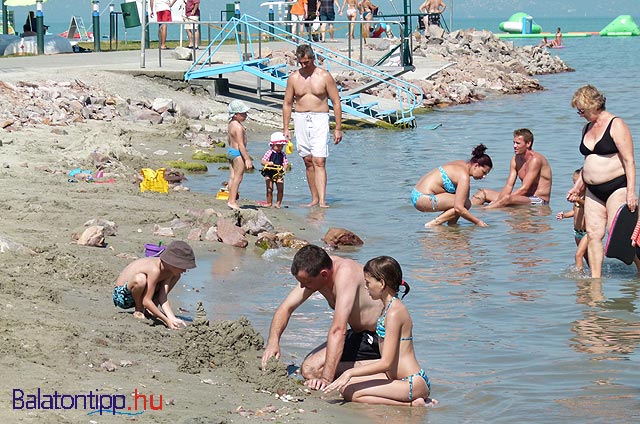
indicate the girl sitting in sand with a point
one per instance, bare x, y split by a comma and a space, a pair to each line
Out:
275, 165
396, 378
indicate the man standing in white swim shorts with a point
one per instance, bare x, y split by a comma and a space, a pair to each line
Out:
311, 88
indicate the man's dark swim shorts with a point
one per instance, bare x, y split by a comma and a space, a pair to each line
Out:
360, 346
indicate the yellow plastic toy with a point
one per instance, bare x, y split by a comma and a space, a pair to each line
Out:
154, 180
223, 194
289, 149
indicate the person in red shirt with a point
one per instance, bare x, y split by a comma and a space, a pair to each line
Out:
192, 15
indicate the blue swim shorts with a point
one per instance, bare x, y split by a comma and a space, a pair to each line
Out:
122, 297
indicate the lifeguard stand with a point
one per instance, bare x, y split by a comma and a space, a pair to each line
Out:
76, 26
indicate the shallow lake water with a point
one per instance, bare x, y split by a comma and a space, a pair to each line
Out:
504, 327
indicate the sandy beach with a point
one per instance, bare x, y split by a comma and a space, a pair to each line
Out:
60, 330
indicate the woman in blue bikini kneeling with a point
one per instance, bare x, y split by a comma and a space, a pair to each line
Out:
396, 378
446, 188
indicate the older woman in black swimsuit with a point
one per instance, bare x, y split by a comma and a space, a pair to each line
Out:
609, 171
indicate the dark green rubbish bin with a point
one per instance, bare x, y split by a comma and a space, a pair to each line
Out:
130, 14
231, 11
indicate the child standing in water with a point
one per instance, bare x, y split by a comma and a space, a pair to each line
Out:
396, 378
239, 159
275, 165
579, 228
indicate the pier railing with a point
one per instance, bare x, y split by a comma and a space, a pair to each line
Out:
248, 34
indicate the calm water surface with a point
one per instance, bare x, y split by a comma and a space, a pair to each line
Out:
503, 326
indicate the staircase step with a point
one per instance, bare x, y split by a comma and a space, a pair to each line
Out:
366, 106
405, 121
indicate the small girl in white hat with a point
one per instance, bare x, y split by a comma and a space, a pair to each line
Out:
275, 165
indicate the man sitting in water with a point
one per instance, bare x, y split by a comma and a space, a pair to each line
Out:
341, 282
531, 167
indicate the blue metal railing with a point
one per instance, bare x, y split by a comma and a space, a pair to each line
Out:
408, 95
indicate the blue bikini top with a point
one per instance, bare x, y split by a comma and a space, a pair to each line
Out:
447, 184
380, 329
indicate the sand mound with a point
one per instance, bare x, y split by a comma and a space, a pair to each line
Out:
232, 345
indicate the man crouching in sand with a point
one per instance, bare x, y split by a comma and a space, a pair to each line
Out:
341, 282
146, 282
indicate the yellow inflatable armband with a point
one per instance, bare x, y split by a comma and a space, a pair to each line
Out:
154, 180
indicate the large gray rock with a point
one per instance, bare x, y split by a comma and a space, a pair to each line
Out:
255, 222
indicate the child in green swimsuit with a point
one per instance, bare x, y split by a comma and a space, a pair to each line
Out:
396, 378
579, 228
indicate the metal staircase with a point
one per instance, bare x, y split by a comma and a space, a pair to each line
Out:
356, 102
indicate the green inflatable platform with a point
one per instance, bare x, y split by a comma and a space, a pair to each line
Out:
621, 26
514, 24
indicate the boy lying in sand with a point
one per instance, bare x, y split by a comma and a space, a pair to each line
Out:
146, 282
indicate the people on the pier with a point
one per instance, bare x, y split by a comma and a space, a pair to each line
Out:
310, 88
352, 14
352, 336
162, 10
192, 19
432, 10
396, 378
327, 17
368, 10
608, 172
447, 187
531, 167
299, 12
312, 22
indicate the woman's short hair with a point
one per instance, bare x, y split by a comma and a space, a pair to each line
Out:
589, 98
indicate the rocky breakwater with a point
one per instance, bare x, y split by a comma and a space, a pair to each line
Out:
483, 65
